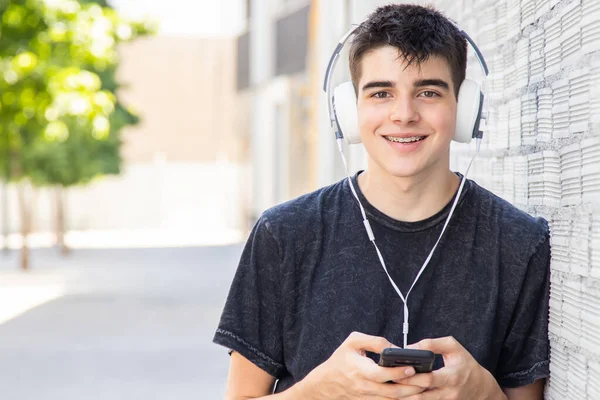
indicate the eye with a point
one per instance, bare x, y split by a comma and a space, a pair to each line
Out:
380, 95
430, 94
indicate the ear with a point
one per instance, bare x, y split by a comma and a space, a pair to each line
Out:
468, 111
346, 113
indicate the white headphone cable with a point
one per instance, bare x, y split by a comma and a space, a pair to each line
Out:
405, 326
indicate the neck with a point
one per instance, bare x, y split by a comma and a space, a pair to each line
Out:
409, 199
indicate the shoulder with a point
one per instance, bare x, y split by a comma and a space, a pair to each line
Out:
508, 224
296, 217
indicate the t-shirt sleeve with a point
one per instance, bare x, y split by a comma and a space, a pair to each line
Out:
524, 357
251, 322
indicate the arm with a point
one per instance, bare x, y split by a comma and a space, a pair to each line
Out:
247, 381
534, 391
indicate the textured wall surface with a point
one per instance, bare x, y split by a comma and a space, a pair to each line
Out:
542, 153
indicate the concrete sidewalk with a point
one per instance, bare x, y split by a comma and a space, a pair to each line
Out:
114, 324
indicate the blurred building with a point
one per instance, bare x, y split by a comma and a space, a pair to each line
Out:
184, 162
272, 84
185, 90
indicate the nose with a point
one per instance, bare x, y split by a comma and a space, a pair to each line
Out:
404, 110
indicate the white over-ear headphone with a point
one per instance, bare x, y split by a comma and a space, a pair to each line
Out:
343, 116
343, 113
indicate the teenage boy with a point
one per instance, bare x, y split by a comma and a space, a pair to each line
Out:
310, 304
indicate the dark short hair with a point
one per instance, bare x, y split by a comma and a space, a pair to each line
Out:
418, 32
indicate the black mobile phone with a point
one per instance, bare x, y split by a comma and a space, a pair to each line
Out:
420, 360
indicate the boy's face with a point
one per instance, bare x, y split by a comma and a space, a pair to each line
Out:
397, 105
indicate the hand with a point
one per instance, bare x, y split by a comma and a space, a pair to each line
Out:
349, 374
461, 378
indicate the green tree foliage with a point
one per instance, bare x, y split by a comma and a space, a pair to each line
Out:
60, 117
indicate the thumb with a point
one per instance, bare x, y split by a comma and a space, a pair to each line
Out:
360, 341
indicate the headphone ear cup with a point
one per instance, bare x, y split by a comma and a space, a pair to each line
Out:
468, 111
346, 113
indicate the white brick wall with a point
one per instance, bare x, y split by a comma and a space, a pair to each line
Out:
541, 151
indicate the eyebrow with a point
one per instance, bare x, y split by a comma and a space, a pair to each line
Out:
378, 84
432, 82
423, 82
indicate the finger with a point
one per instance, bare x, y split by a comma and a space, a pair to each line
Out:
380, 374
389, 390
360, 341
378, 398
439, 379
443, 345
433, 394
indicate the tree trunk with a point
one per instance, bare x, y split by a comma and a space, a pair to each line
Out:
61, 221
9, 161
5, 230
24, 204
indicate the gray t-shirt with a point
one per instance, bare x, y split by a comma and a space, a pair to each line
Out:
309, 276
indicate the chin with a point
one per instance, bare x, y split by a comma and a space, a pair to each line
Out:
410, 167
404, 173
401, 171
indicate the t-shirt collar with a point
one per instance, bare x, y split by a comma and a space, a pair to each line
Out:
379, 217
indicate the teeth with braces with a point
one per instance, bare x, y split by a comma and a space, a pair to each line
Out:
404, 140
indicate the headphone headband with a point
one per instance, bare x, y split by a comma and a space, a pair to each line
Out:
329, 73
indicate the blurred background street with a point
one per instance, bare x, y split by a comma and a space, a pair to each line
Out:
115, 324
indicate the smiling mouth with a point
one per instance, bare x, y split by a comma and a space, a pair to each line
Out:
405, 140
